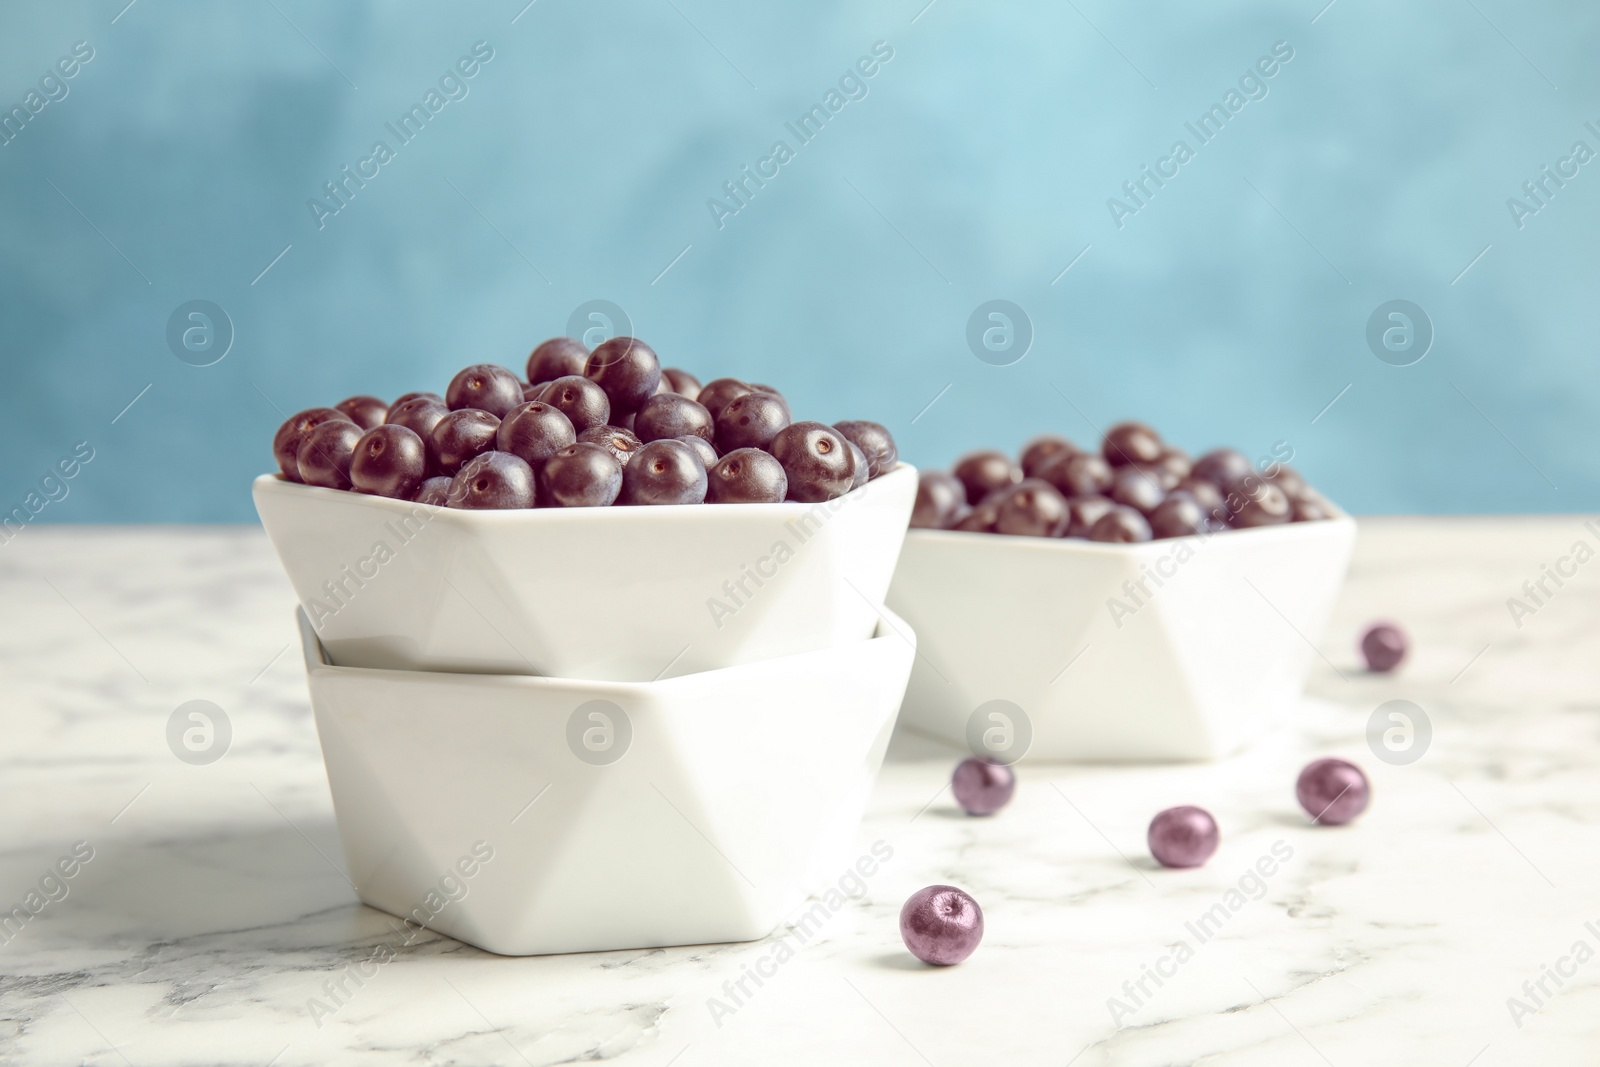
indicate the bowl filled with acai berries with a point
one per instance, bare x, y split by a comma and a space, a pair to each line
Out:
1114, 601
601, 517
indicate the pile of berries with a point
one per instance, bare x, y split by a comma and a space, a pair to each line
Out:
586, 429
1135, 487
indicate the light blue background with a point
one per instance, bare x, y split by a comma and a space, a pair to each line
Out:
978, 167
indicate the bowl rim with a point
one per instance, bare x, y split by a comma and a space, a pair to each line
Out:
277, 483
1057, 545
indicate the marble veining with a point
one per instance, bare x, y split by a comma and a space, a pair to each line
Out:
215, 925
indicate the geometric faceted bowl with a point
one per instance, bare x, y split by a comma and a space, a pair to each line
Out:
531, 815
1221, 634
617, 593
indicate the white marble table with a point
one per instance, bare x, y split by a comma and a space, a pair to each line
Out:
214, 908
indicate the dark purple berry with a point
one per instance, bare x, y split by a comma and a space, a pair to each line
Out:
1176, 463
420, 414
1032, 508
1136, 488
1158, 474
286, 442
770, 391
1254, 501
533, 432
716, 394
816, 461
668, 415
1206, 494
365, 411
664, 472
750, 421
702, 448
1310, 506
493, 481
941, 925
939, 496
984, 472
556, 358
982, 516
1383, 646
435, 491
583, 402
1078, 474
1131, 442
1184, 836
460, 436
412, 396
389, 461
582, 475
859, 459
1221, 467
1289, 480
873, 439
1041, 450
682, 382
982, 787
747, 476
614, 439
485, 386
1084, 511
1179, 515
1120, 525
1333, 791
627, 369
326, 452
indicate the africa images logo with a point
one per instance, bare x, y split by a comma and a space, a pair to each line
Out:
1205, 129
53, 88
453, 85
852, 86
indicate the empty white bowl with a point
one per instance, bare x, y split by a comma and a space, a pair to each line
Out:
535, 815
1182, 670
618, 593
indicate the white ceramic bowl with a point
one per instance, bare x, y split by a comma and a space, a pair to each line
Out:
619, 593
1183, 670
731, 794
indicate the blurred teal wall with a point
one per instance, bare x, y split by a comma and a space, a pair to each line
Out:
585, 156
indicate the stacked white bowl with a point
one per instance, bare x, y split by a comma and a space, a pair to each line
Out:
559, 730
